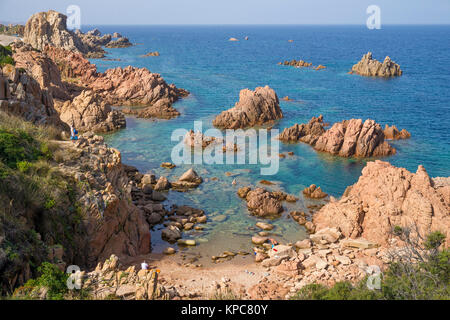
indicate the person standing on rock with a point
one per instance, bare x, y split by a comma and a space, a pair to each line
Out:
144, 265
73, 132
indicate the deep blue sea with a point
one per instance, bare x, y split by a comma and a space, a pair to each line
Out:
203, 61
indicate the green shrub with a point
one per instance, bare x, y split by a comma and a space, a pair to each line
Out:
17, 146
6, 55
50, 278
24, 166
420, 272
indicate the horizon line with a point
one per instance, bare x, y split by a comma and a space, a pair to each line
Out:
248, 24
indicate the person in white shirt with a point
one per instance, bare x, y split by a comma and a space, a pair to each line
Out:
144, 266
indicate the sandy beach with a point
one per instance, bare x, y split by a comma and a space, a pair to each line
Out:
6, 40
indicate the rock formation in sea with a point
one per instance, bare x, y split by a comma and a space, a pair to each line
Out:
301, 64
122, 42
151, 54
50, 28
297, 63
392, 133
257, 107
346, 139
370, 67
129, 86
314, 192
261, 202
88, 112
134, 86
386, 196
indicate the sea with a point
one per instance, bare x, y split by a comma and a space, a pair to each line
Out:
214, 70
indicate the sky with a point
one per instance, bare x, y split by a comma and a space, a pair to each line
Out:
145, 12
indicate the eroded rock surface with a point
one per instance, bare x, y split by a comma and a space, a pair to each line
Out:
88, 112
373, 68
256, 107
346, 139
384, 197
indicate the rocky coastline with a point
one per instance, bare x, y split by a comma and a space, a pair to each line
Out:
52, 84
349, 138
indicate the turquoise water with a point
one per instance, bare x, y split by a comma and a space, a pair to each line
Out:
203, 61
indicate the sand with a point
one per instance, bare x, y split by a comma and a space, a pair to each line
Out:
6, 40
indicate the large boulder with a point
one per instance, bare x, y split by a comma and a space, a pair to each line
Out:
373, 68
263, 203
384, 197
41, 68
346, 139
88, 112
308, 133
392, 133
50, 28
256, 107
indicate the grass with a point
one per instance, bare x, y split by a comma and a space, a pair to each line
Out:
6, 56
38, 203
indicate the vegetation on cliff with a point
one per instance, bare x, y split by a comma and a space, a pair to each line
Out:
6, 55
38, 206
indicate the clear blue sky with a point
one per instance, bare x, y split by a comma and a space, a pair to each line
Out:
235, 11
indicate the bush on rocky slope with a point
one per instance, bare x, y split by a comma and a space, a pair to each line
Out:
37, 204
5, 55
420, 271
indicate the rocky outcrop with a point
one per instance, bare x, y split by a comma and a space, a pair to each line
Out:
301, 64
370, 67
384, 197
22, 96
50, 28
346, 139
314, 192
189, 179
73, 66
297, 64
261, 202
257, 107
151, 54
41, 68
122, 42
88, 112
308, 133
113, 223
110, 280
137, 87
392, 133
128, 86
